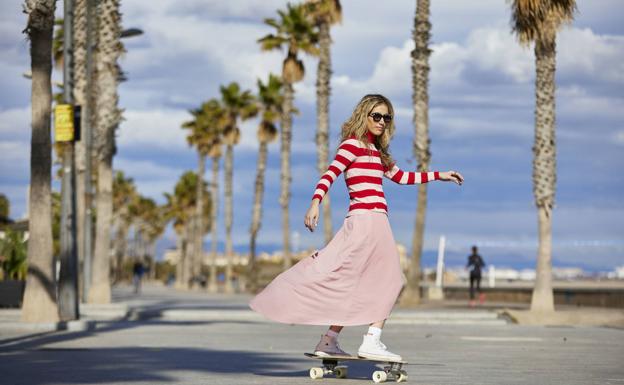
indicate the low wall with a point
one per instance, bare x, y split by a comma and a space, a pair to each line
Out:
576, 296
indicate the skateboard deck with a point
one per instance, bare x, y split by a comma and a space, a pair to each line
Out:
392, 371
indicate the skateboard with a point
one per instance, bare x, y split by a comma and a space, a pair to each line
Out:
392, 370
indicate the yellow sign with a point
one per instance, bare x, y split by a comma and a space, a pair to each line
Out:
64, 123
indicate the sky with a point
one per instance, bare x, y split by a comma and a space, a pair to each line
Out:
481, 119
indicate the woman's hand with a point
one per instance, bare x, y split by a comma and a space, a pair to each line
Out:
311, 218
452, 176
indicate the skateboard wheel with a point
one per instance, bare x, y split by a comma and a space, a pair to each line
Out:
316, 373
340, 371
380, 376
402, 376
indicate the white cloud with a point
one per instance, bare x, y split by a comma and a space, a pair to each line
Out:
145, 169
160, 128
238, 57
15, 122
619, 137
581, 51
215, 8
14, 160
585, 105
496, 49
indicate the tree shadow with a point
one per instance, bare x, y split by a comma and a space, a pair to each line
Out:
126, 364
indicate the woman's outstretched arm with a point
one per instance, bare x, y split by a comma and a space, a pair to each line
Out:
399, 176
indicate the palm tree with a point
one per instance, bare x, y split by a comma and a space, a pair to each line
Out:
537, 21
324, 13
107, 117
420, 100
146, 212
154, 226
270, 97
173, 212
5, 209
205, 136
39, 304
125, 209
296, 32
236, 104
180, 208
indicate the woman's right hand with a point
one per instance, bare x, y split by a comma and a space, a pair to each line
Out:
311, 218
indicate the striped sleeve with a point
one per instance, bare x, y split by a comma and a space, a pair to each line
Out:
347, 152
399, 176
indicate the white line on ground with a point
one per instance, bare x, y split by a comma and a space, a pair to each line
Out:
502, 339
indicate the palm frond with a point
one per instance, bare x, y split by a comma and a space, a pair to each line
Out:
324, 11
535, 20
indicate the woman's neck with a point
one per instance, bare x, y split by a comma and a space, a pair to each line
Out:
371, 137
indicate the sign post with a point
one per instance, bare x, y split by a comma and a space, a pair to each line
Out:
66, 133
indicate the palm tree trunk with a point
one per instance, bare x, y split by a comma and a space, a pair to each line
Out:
198, 247
180, 283
80, 85
152, 251
229, 160
412, 290
212, 282
40, 302
544, 168
189, 254
286, 138
100, 290
107, 117
420, 100
257, 215
323, 91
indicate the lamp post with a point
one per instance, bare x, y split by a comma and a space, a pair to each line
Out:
68, 279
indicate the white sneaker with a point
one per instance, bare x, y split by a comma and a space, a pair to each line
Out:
373, 348
328, 346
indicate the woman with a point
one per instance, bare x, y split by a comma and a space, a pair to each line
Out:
356, 278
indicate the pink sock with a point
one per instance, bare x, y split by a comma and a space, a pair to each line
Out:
332, 334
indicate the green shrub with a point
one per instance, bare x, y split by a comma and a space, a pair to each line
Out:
13, 252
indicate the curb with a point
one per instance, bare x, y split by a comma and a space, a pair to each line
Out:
71, 326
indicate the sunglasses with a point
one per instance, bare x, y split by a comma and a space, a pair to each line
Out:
377, 117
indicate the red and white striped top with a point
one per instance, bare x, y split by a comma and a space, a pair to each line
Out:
363, 172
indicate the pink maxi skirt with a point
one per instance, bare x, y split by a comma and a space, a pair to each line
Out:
354, 280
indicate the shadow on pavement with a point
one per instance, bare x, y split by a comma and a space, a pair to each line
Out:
85, 365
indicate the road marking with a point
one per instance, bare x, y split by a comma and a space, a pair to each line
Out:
502, 339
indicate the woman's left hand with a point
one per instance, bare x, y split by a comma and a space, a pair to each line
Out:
452, 176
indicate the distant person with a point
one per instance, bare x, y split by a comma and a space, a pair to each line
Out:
356, 278
137, 275
475, 263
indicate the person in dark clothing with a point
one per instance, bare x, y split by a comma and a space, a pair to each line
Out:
475, 263
137, 274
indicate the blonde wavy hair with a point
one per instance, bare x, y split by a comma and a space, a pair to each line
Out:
356, 126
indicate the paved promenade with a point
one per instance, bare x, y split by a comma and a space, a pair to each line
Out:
169, 337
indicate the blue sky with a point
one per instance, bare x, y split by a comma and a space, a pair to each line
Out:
481, 118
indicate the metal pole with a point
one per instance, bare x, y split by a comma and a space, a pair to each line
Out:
68, 279
87, 132
492, 276
440, 267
